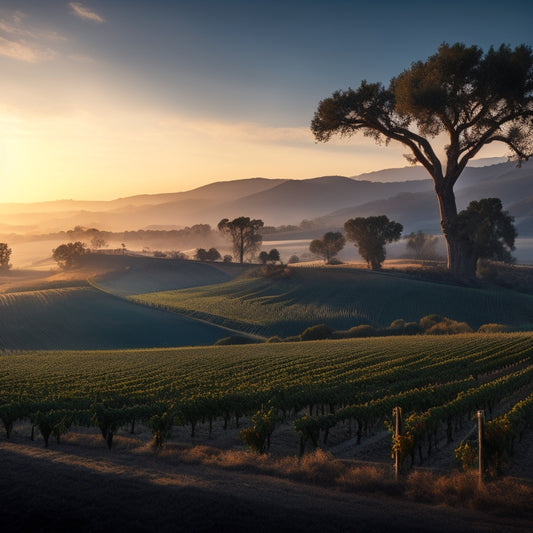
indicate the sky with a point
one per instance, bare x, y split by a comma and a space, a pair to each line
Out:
101, 99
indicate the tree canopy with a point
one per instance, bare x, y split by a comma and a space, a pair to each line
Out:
328, 246
471, 98
370, 235
244, 234
5, 255
207, 255
422, 245
67, 255
486, 231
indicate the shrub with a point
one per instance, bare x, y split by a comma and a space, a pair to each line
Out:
258, 436
364, 330
493, 328
315, 333
293, 259
429, 321
448, 327
235, 339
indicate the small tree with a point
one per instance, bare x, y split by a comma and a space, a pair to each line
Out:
201, 254
422, 245
263, 257
244, 234
98, 241
273, 256
328, 246
5, 255
486, 232
213, 254
370, 235
68, 255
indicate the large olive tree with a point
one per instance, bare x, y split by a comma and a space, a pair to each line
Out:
471, 98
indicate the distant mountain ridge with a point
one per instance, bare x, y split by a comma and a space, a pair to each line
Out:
328, 200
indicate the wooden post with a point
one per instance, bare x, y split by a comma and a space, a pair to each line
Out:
397, 415
480, 424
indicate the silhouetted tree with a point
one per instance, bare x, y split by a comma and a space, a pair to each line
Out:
474, 99
98, 241
263, 257
370, 235
207, 255
67, 255
328, 246
244, 234
213, 254
422, 245
486, 232
5, 255
273, 256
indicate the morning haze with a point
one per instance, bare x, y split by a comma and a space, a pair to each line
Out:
228, 303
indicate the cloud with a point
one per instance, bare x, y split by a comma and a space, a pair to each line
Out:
25, 42
247, 132
17, 29
84, 12
23, 51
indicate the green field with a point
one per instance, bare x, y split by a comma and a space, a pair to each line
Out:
82, 317
341, 298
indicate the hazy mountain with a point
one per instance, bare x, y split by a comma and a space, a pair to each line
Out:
404, 194
419, 210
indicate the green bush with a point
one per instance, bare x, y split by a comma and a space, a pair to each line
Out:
429, 321
493, 328
316, 333
447, 326
363, 330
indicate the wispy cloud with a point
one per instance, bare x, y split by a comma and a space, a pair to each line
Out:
25, 42
85, 13
16, 27
23, 51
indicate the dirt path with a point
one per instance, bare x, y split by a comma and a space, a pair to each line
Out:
85, 489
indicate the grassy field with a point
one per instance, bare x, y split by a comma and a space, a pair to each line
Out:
342, 298
130, 275
82, 317
62, 310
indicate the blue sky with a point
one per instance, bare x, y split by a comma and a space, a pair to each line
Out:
116, 97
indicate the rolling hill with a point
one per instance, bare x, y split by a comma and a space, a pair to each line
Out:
342, 298
73, 314
279, 201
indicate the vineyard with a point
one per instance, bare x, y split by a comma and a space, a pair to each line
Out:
342, 298
313, 387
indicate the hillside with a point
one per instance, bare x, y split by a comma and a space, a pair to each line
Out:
42, 312
342, 298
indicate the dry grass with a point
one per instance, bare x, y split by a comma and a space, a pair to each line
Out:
503, 496
506, 496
